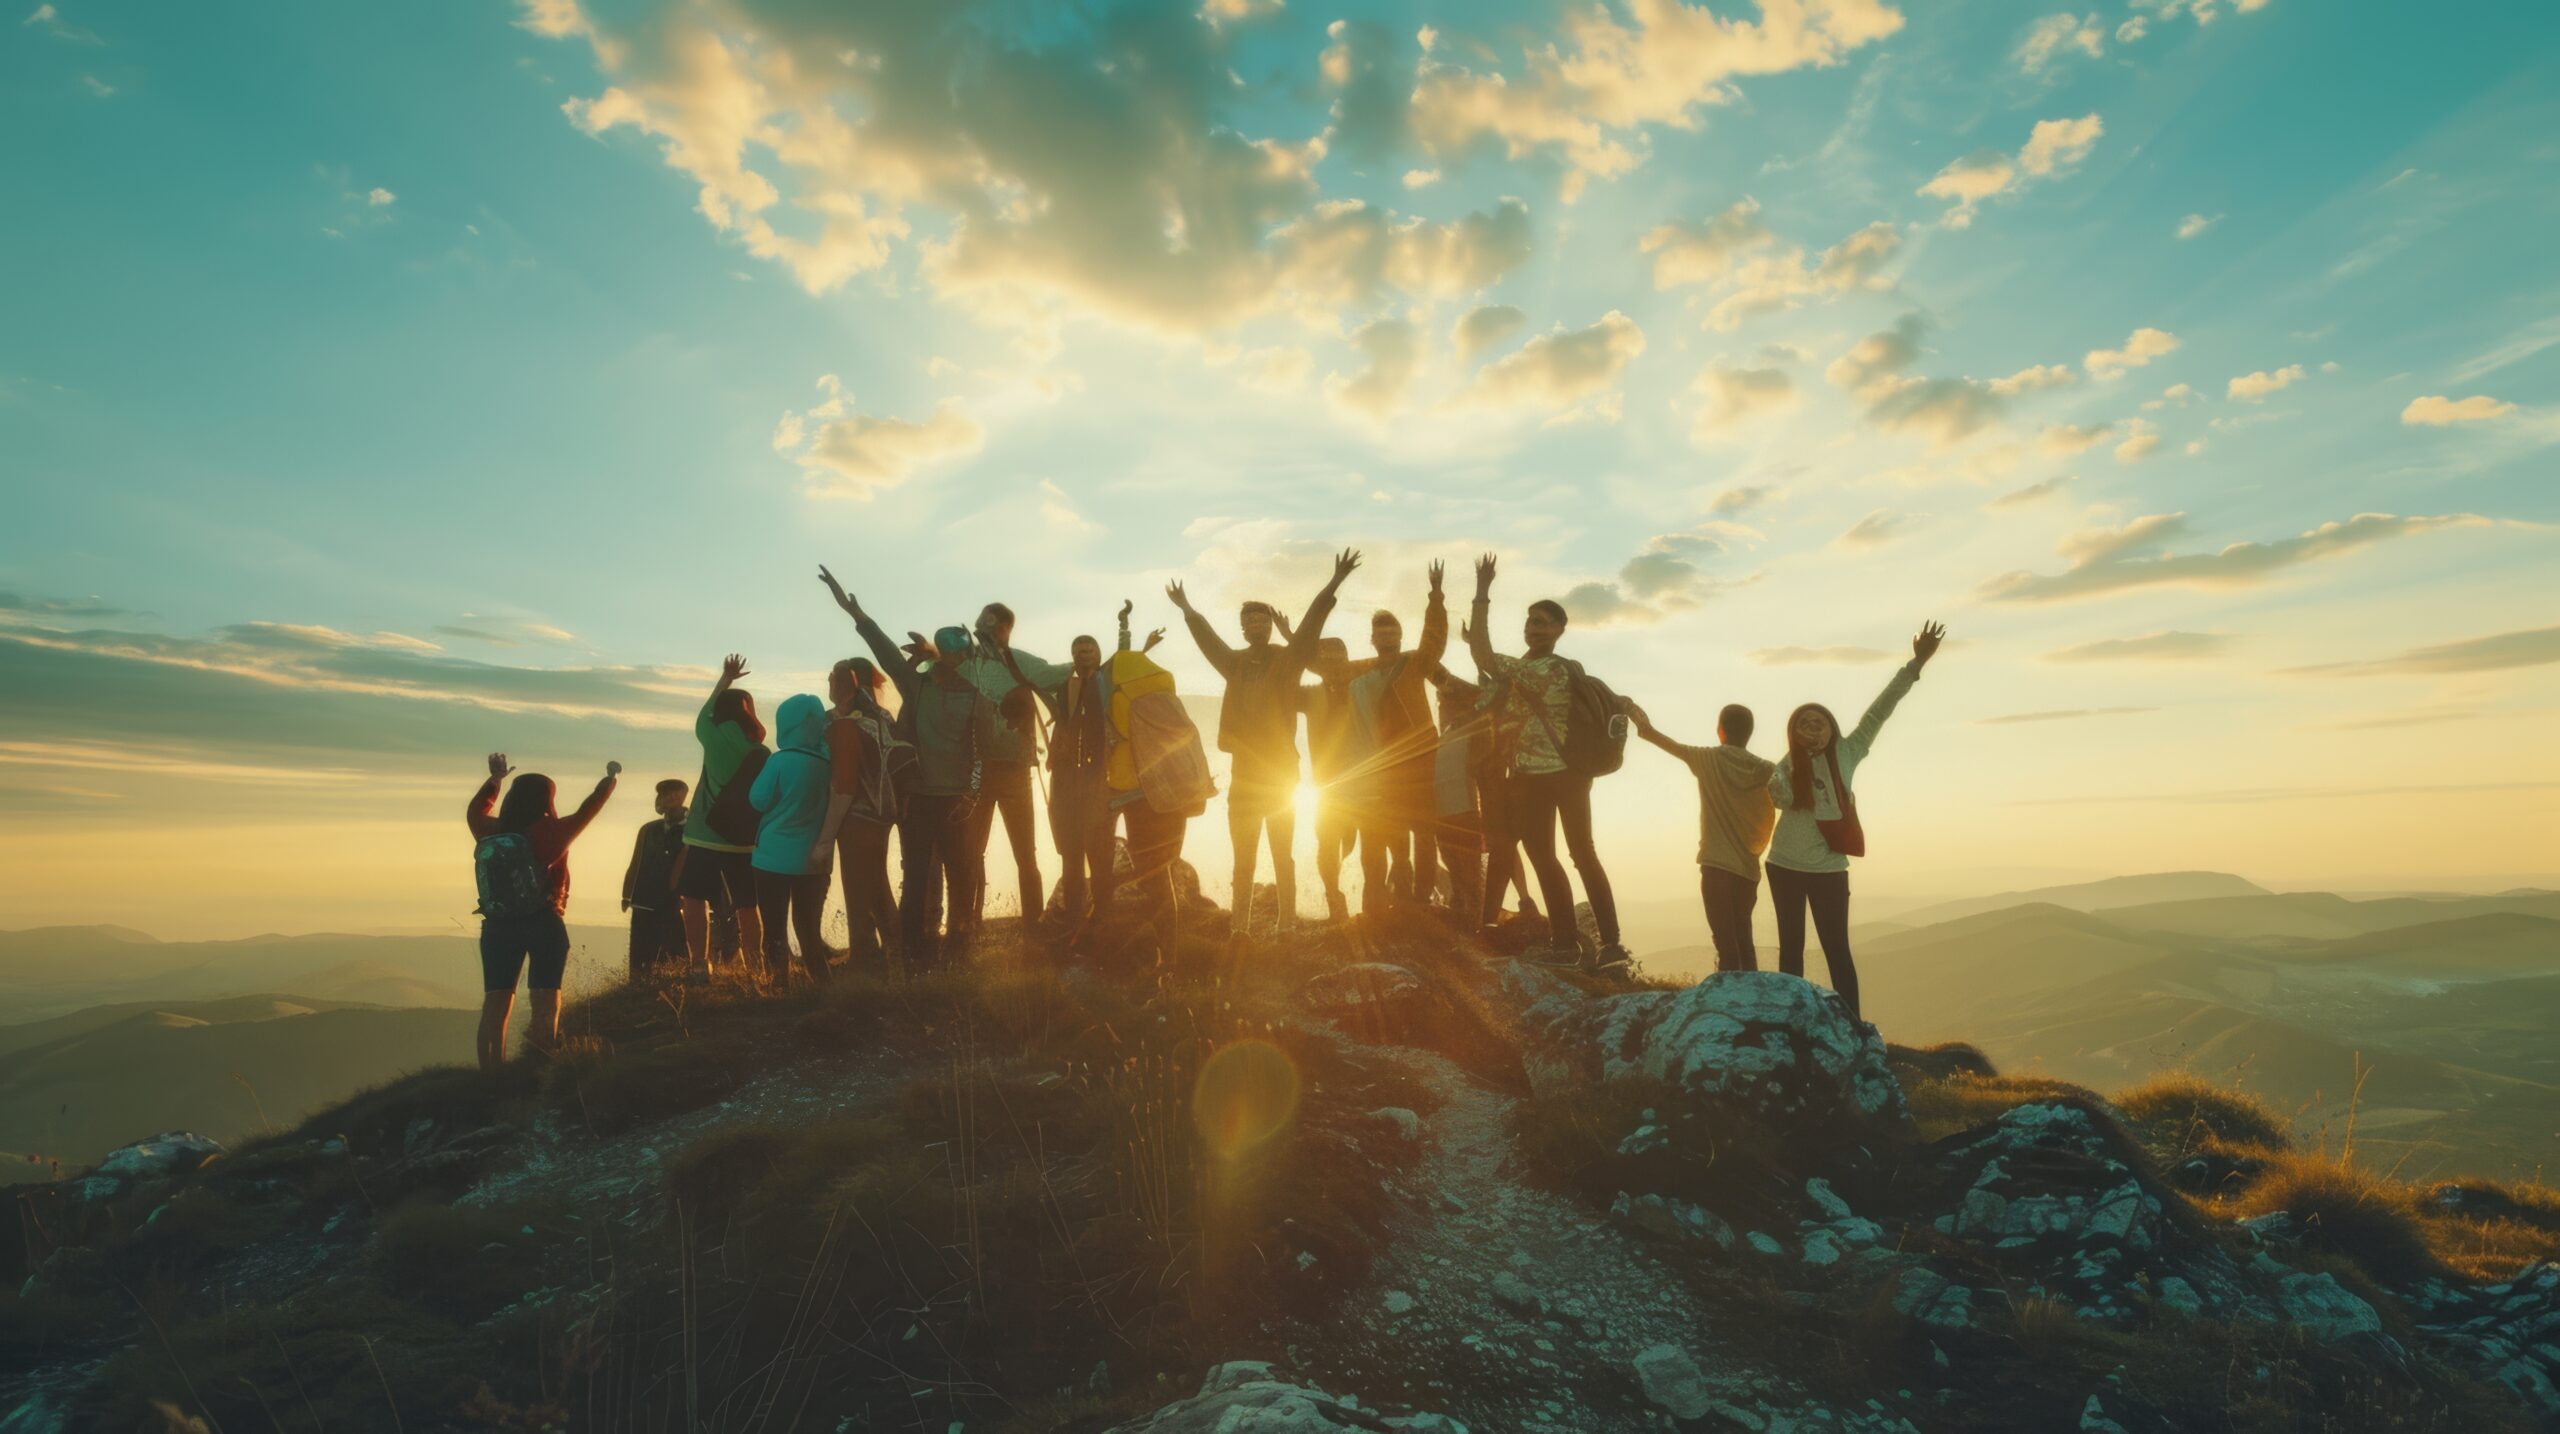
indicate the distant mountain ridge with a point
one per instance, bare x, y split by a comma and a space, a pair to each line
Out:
2138, 890
51, 971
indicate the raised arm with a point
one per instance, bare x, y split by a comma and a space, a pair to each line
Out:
1212, 646
1862, 739
732, 668
1435, 624
576, 821
901, 668
1125, 607
1311, 631
1479, 615
482, 814
1655, 735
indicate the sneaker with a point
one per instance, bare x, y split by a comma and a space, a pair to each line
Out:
1561, 957
1613, 957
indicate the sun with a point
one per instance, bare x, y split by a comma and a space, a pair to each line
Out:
1309, 798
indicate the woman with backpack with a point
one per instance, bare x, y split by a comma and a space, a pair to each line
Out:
520, 860
951, 724
719, 830
1157, 775
866, 765
792, 869
1818, 829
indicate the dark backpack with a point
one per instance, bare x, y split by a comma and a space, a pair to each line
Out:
733, 818
888, 770
509, 879
1594, 740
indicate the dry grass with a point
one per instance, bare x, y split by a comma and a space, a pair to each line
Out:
2180, 1114
1961, 1101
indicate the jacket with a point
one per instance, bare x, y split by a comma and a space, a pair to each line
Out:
953, 729
791, 793
1799, 844
1258, 716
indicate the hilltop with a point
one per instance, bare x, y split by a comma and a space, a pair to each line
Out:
1381, 1179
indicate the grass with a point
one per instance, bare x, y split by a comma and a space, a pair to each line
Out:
2180, 1114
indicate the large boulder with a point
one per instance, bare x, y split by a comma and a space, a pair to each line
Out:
1778, 1045
1245, 1397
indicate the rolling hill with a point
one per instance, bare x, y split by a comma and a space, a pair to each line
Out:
2151, 888
57, 970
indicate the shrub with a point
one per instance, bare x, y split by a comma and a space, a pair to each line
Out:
2374, 1222
2176, 1115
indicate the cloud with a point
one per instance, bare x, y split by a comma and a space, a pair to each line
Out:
2195, 224
2176, 395
2164, 646
2502, 652
1735, 252
1666, 577
2064, 715
380, 198
1421, 178
1484, 327
2065, 439
2053, 145
2437, 411
1878, 528
2031, 494
2105, 560
1588, 97
2031, 378
1802, 656
1556, 369
2141, 441
1369, 68
1229, 11
1093, 167
50, 21
1945, 411
11, 602
2048, 38
1282, 369
1734, 396
2253, 387
2140, 348
1393, 348
861, 456
1733, 502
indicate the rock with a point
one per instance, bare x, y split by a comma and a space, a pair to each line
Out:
1669, 1218
1776, 1045
171, 1152
1245, 1397
2177, 1294
420, 1134
1398, 1302
1353, 987
1818, 1190
1674, 1382
1933, 1299
2323, 1308
1404, 1122
1515, 1294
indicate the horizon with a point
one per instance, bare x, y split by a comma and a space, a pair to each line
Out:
478, 376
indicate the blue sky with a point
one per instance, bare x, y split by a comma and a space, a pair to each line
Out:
383, 384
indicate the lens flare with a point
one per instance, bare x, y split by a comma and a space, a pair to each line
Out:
1246, 1093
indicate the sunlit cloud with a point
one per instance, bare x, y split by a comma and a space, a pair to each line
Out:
1739, 255
2140, 348
2164, 646
1393, 349
2501, 652
2031, 494
2050, 38
2120, 558
2437, 411
1556, 369
2254, 387
1878, 528
1808, 656
1733, 397
2068, 714
2053, 145
1483, 328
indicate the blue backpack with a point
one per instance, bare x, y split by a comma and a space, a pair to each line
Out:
510, 880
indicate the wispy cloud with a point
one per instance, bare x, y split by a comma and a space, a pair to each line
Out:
2118, 559
2499, 652
2053, 145
1806, 656
2166, 646
2437, 411
2068, 714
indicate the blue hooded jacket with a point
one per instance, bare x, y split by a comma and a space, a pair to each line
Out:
791, 792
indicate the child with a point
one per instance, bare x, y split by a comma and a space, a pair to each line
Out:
658, 915
522, 865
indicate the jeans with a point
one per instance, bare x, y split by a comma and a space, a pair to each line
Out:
1262, 797
1529, 818
933, 851
1415, 854
1080, 822
792, 903
1005, 787
1827, 892
1155, 842
657, 937
1729, 898
870, 907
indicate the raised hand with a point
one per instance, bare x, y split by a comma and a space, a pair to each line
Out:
1925, 645
1180, 599
920, 647
1344, 564
612, 770
1280, 620
732, 668
498, 765
1127, 605
1437, 569
843, 599
1484, 574
1152, 639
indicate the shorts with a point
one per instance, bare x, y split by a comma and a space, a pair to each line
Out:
723, 878
508, 942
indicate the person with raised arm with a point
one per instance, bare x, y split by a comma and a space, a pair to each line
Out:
862, 808
1400, 817
1258, 730
1337, 756
1080, 813
951, 724
793, 866
1735, 816
716, 871
1005, 787
520, 864
1533, 712
1818, 826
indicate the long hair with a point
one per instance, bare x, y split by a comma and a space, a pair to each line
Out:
739, 707
528, 801
866, 686
1800, 757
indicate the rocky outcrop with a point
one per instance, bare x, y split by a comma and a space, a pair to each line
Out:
1782, 1048
1245, 1397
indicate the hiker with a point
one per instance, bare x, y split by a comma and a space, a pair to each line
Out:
1399, 818
1735, 815
1080, 812
520, 863
1005, 786
866, 763
1337, 756
1474, 836
1818, 827
1538, 692
649, 887
719, 835
1258, 729
951, 724
1158, 780
792, 863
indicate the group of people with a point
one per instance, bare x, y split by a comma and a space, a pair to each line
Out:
1451, 791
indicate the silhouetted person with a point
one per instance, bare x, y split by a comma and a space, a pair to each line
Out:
520, 864
1815, 788
1159, 780
1005, 786
1475, 838
649, 888
862, 806
1399, 817
1258, 728
1735, 815
1338, 757
793, 860
1081, 822
951, 724
1538, 792
715, 870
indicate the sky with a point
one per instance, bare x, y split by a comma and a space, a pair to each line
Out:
385, 385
